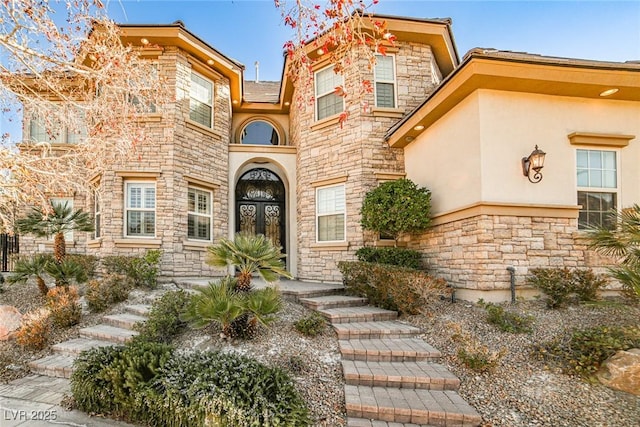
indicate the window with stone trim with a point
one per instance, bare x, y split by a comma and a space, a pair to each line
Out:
201, 100
597, 178
328, 102
140, 209
53, 132
331, 214
199, 213
384, 75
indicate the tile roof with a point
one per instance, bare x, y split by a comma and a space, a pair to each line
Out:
261, 91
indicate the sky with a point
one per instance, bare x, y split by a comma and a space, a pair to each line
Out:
251, 30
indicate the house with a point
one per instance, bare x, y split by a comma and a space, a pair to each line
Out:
234, 155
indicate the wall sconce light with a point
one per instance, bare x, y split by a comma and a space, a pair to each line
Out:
535, 162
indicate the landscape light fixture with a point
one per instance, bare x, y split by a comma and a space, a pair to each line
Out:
535, 162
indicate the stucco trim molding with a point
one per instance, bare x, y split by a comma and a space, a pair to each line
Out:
201, 128
324, 123
334, 246
95, 243
338, 179
138, 174
394, 113
138, 243
507, 209
607, 139
263, 149
201, 182
194, 245
389, 176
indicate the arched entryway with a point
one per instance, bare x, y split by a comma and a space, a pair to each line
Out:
260, 205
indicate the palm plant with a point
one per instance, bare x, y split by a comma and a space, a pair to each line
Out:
249, 254
623, 243
61, 218
35, 266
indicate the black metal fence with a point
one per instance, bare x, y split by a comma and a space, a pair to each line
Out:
9, 246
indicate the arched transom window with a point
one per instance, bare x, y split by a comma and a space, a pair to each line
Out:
259, 132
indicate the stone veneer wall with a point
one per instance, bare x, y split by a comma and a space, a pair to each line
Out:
356, 150
473, 254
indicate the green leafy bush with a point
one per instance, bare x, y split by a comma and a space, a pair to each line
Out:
585, 349
91, 389
311, 325
395, 256
164, 320
143, 271
559, 284
394, 288
506, 320
102, 294
86, 263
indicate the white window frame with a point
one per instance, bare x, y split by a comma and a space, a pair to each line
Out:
211, 100
323, 94
393, 82
436, 74
343, 212
97, 216
68, 235
141, 184
615, 190
198, 214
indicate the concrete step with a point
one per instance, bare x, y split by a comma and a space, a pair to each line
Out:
368, 330
358, 314
387, 350
139, 309
403, 405
311, 290
123, 320
55, 365
36, 389
332, 301
77, 345
422, 375
362, 422
108, 333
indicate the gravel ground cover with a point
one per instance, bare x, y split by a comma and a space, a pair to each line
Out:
524, 390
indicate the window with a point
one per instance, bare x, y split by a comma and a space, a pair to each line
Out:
259, 132
199, 214
142, 102
140, 209
201, 100
328, 102
330, 214
61, 201
96, 215
436, 75
597, 186
385, 81
53, 132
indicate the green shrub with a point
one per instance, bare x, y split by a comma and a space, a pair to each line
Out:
395, 256
164, 321
506, 320
102, 294
394, 288
559, 284
585, 349
87, 264
1, 283
228, 389
311, 325
91, 389
143, 271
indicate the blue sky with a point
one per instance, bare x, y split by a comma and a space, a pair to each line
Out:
251, 30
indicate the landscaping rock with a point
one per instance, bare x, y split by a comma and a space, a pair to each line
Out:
10, 320
622, 371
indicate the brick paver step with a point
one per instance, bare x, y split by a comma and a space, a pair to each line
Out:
387, 349
124, 320
77, 345
421, 374
363, 422
311, 290
55, 365
36, 388
332, 301
357, 314
403, 405
108, 333
139, 309
368, 330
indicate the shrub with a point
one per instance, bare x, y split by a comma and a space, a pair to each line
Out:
1, 283
472, 353
91, 389
34, 332
311, 325
506, 320
87, 264
164, 320
558, 284
102, 294
143, 271
585, 350
394, 288
63, 304
394, 256
228, 389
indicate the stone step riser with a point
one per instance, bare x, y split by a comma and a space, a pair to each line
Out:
296, 297
139, 310
403, 382
57, 366
374, 334
387, 357
52, 372
120, 323
68, 348
376, 317
106, 336
346, 303
411, 375
361, 422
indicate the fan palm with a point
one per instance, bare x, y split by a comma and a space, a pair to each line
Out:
35, 266
60, 219
623, 243
249, 254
